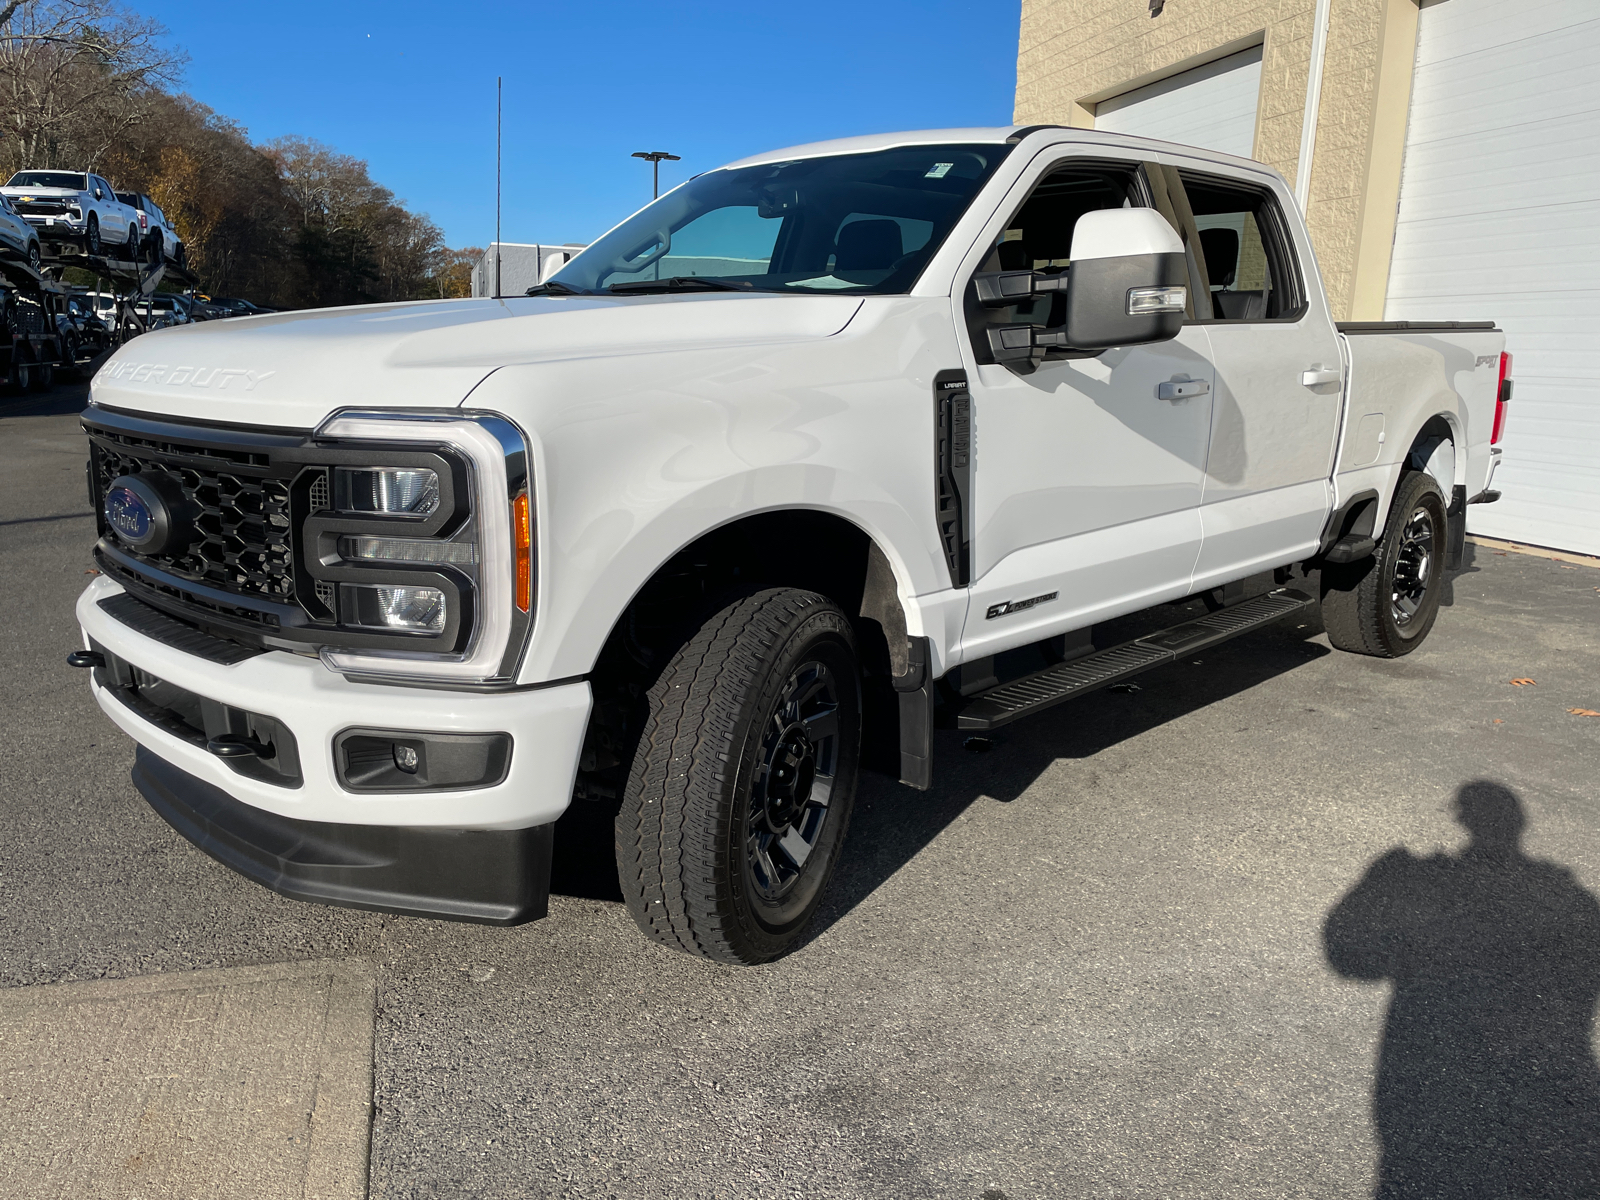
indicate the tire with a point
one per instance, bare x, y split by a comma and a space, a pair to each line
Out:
750, 743
44, 377
35, 258
181, 256
131, 247
21, 373
1385, 605
158, 245
91, 236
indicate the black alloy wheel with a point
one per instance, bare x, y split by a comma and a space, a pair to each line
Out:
1413, 567
91, 236
181, 256
35, 259
158, 248
789, 801
131, 249
742, 778
1386, 605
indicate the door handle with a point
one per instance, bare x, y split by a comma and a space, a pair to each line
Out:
1318, 375
1182, 389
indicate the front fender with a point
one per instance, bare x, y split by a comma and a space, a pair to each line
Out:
636, 457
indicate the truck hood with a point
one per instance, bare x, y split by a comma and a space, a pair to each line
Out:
44, 193
293, 369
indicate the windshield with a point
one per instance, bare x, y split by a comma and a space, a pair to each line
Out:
854, 223
48, 179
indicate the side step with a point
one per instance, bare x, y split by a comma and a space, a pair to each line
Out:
1022, 697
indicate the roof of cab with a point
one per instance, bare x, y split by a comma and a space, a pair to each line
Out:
880, 141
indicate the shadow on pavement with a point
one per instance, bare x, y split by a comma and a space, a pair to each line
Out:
892, 823
1487, 1084
62, 400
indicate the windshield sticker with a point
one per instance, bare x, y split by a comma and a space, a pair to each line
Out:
938, 170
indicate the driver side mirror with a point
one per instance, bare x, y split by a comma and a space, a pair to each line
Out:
1127, 285
99, 195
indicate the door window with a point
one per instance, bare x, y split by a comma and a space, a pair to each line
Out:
1248, 268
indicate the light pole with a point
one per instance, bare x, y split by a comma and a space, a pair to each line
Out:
655, 158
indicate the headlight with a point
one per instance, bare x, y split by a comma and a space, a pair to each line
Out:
424, 550
413, 493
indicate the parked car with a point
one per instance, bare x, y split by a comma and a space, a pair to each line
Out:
816, 451
83, 330
17, 238
161, 240
78, 207
235, 307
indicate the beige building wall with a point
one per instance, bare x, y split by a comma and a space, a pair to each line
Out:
1072, 54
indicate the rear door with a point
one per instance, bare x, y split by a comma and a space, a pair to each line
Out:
1087, 485
1278, 396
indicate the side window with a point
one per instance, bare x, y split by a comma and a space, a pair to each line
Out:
1038, 237
1245, 249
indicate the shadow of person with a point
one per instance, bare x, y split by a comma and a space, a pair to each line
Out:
1487, 1085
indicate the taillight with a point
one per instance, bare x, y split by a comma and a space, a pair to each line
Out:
1502, 396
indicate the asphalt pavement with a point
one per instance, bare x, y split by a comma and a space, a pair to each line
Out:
1278, 921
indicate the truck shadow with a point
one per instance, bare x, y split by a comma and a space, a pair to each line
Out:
1486, 1078
892, 823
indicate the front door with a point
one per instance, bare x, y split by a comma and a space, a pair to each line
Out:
1087, 484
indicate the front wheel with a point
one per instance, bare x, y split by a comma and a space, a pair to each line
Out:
743, 778
1386, 604
91, 236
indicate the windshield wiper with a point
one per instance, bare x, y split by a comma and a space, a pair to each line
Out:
553, 287
683, 283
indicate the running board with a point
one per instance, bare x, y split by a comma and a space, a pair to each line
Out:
1022, 697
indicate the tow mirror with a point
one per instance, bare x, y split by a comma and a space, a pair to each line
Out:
1127, 285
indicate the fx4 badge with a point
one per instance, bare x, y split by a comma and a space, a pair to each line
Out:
1016, 606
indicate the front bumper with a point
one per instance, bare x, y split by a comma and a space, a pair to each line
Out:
493, 877
546, 726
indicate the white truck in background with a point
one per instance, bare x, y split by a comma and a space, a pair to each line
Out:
814, 453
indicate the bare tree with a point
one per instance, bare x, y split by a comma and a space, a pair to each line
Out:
73, 78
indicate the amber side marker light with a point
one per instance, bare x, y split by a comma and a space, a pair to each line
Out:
522, 532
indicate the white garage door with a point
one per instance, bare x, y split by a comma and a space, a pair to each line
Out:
1212, 106
1500, 217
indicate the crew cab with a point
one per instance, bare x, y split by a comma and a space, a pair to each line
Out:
817, 452
156, 232
77, 208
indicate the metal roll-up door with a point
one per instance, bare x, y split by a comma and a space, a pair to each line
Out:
1212, 106
1500, 218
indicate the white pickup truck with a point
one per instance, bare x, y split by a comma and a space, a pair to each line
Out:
818, 451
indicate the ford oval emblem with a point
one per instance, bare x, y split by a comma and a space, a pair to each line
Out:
129, 515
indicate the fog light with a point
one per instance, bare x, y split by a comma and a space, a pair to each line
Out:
414, 493
396, 760
417, 608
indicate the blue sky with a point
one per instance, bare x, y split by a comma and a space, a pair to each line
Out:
411, 88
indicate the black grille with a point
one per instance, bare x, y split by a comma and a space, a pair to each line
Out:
244, 542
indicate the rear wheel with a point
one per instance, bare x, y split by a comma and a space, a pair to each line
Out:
44, 375
743, 778
131, 249
21, 369
1385, 605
